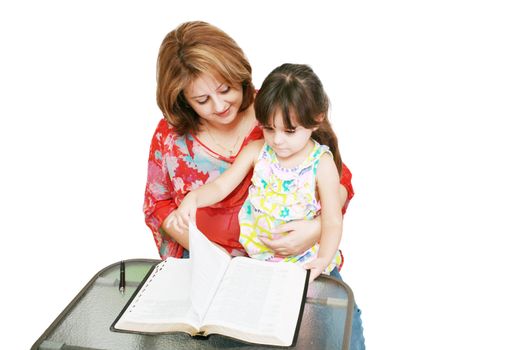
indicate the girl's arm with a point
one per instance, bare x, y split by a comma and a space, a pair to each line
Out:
331, 218
215, 191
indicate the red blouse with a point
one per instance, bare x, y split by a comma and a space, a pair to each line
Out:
179, 164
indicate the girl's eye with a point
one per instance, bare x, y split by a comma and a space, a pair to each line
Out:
225, 89
290, 131
203, 101
268, 128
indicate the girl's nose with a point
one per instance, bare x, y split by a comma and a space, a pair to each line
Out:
277, 138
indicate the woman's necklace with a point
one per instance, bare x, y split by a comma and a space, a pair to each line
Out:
229, 150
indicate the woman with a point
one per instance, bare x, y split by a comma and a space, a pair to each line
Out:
206, 94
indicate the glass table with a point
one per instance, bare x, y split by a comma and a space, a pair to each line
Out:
84, 323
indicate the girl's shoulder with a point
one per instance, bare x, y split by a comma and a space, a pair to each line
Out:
313, 158
318, 157
319, 150
325, 167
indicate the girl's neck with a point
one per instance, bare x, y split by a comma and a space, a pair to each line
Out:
296, 159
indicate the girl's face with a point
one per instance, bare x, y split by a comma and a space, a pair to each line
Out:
214, 100
288, 144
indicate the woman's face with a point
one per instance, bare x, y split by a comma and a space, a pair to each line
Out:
213, 99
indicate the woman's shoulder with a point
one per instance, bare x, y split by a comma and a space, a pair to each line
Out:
164, 127
165, 131
254, 148
165, 139
255, 134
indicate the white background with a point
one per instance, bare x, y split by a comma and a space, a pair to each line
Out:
427, 99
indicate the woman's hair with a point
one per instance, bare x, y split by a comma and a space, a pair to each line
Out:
194, 48
294, 89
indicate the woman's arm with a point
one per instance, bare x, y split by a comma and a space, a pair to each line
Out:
332, 218
171, 228
159, 202
346, 190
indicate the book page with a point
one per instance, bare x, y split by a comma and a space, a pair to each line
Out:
258, 301
209, 264
164, 300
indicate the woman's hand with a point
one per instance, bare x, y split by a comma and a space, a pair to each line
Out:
185, 212
302, 235
178, 235
176, 223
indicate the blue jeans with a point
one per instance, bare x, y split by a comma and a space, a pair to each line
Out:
357, 339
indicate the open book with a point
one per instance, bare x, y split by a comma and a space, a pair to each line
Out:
243, 298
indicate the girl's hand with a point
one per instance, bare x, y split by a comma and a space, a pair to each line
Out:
302, 235
316, 267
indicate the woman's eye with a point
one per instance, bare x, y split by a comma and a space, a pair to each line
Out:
203, 101
267, 128
225, 89
290, 131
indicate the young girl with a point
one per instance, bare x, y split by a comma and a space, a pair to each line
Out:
295, 168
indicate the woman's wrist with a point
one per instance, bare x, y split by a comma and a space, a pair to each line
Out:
179, 237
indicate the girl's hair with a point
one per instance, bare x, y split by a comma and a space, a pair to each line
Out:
194, 48
294, 89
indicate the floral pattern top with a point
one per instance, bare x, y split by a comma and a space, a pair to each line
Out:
279, 195
179, 164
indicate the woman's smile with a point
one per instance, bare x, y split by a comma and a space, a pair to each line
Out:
224, 113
